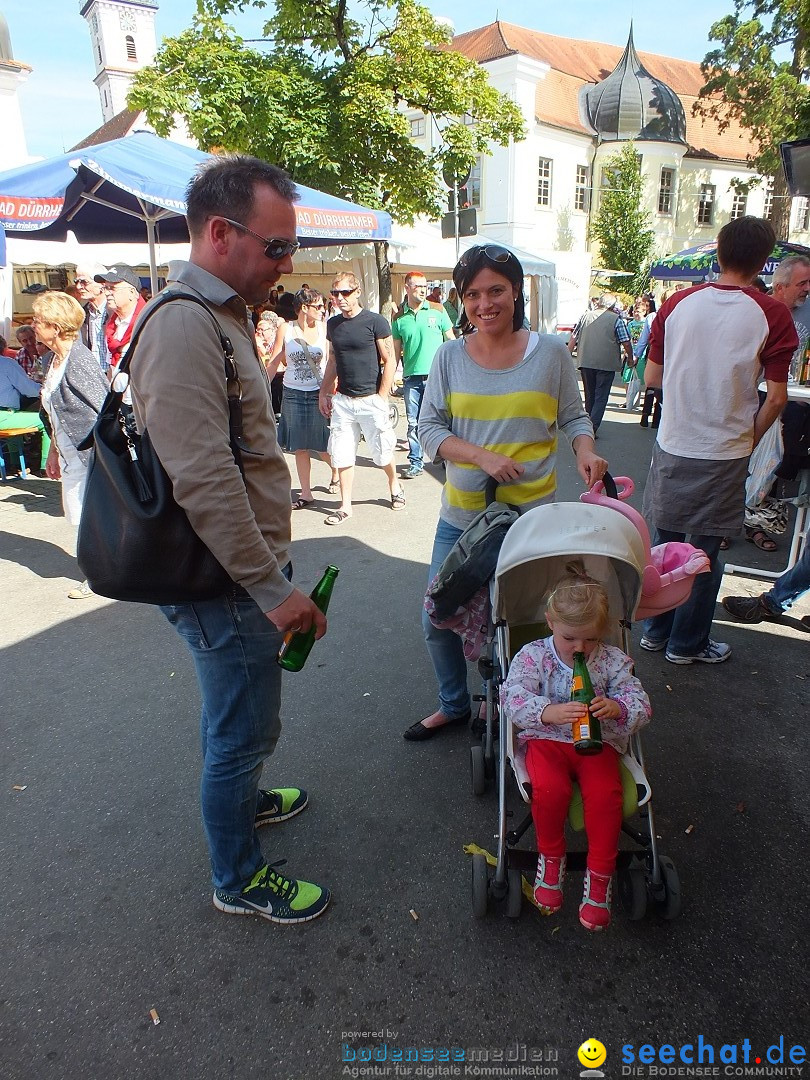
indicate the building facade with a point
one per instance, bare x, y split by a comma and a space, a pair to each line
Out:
581, 101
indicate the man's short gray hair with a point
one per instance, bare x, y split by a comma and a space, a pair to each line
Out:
91, 269
783, 274
607, 300
225, 186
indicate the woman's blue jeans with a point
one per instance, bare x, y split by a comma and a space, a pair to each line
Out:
234, 646
444, 647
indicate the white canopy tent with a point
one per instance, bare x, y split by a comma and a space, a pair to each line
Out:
421, 247
33, 258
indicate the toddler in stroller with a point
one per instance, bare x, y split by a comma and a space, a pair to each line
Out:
536, 698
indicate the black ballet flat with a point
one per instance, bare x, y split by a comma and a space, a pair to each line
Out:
419, 733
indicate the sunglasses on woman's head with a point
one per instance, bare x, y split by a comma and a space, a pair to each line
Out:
494, 252
342, 292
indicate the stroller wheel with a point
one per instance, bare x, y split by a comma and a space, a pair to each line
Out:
393, 413
670, 908
480, 885
632, 884
477, 769
514, 895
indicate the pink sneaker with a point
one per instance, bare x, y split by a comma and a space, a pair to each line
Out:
594, 911
548, 885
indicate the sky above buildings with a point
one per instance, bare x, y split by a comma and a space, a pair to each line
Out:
60, 102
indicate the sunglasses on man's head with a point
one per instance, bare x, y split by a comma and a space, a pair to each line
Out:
494, 252
273, 248
342, 292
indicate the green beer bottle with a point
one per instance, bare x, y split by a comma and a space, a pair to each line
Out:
297, 644
587, 731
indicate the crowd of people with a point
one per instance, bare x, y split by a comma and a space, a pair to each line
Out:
486, 397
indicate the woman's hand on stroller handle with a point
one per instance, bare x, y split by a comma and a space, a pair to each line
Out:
590, 466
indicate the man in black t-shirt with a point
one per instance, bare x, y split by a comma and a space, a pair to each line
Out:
354, 392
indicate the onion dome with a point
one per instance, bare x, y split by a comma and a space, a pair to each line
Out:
631, 104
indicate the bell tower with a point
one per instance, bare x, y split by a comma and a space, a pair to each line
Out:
122, 37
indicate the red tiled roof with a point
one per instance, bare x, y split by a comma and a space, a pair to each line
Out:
574, 63
120, 125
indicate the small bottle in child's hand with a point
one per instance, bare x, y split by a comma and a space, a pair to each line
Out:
587, 730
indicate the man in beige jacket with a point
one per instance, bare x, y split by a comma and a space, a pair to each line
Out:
242, 224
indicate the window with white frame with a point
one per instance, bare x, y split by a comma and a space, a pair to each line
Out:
474, 185
767, 209
131, 51
803, 214
544, 182
468, 119
581, 188
417, 127
666, 191
739, 204
705, 214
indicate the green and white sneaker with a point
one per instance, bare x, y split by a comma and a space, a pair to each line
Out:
279, 804
275, 897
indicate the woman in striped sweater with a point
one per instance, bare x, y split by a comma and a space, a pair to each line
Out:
494, 403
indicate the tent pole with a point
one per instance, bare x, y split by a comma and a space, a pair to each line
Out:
150, 238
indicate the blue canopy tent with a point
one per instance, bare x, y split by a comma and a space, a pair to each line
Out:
697, 263
115, 190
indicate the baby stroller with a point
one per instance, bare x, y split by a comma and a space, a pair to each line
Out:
613, 543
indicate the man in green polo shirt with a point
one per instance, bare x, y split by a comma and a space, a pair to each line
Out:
418, 331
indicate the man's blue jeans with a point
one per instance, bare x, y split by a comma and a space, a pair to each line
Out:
234, 646
687, 627
445, 647
597, 384
791, 585
413, 390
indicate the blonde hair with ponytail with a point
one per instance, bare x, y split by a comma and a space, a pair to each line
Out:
579, 600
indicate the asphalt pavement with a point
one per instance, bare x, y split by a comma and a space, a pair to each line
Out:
108, 924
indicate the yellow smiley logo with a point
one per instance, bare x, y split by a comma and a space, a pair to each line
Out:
592, 1054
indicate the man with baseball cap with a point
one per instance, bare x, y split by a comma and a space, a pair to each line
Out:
125, 303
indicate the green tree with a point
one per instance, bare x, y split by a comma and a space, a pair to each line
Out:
621, 224
758, 77
322, 96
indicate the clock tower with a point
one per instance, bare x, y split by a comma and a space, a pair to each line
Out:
122, 37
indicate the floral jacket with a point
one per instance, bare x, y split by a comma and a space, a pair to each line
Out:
537, 677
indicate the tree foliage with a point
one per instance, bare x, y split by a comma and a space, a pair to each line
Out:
621, 224
758, 76
322, 96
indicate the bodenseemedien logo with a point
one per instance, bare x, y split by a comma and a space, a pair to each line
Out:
592, 1055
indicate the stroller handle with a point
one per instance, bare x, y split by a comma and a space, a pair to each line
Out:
608, 486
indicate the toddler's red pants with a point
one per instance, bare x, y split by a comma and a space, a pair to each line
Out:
552, 766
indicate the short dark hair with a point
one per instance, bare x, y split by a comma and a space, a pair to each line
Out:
306, 296
226, 186
744, 244
475, 259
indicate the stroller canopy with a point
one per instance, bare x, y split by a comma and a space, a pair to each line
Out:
538, 546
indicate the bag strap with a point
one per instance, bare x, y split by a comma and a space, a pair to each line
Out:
313, 367
233, 384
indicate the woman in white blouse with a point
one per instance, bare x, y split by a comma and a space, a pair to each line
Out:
303, 430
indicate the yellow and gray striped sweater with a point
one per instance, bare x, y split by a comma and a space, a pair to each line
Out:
517, 411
